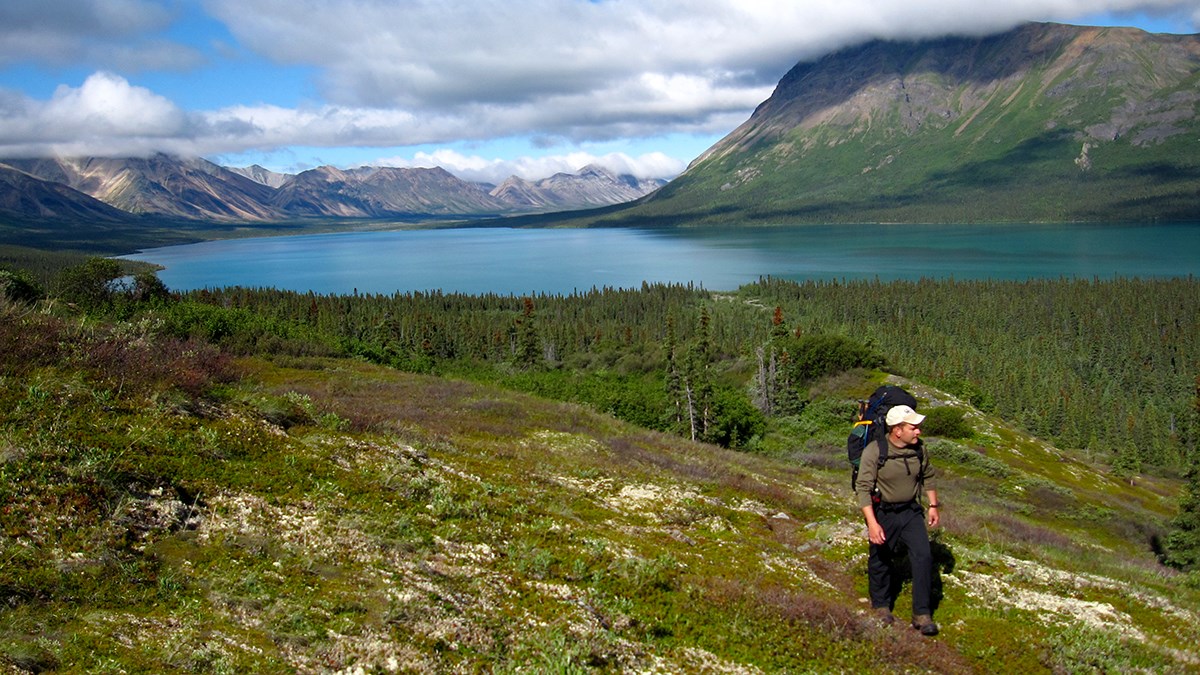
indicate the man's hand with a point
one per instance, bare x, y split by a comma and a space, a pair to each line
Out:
875, 534
874, 529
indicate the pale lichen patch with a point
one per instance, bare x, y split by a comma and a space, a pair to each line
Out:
563, 443
796, 568
1048, 608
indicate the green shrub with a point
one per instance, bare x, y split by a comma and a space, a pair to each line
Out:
89, 286
947, 422
811, 357
735, 419
19, 286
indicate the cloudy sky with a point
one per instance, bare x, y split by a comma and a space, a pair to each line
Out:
484, 88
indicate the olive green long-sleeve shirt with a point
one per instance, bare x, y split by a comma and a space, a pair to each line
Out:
900, 479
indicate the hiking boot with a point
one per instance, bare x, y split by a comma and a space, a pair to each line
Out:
884, 615
925, 624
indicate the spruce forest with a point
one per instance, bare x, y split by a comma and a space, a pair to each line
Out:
1104, 366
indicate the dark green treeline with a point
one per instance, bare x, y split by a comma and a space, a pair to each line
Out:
1104, 365
1109, 366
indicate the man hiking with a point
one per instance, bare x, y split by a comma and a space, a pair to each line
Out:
889, 495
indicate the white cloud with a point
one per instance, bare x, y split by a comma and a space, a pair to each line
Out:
106, 115
435, 73
108, 105
478, 169
435, 54
572, 71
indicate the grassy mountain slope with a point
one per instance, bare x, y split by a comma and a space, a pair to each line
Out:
166, 509
1044, 123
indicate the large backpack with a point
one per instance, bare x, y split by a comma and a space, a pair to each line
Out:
870, 425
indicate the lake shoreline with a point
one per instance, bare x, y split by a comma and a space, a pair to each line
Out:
522, 261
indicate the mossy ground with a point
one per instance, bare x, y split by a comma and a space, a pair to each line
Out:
322, 515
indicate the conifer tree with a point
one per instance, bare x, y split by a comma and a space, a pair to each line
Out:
1182, 548
675, 393
697, 379
528, 350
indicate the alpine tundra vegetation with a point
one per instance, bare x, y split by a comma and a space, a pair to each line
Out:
192, 487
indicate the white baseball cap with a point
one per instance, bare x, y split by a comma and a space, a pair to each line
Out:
901, 414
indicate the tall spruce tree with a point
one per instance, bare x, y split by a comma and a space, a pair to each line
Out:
1182, 548
675, 378
528, 348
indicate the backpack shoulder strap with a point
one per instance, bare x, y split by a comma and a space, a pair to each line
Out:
921, 466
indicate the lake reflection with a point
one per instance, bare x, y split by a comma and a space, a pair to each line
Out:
561, 261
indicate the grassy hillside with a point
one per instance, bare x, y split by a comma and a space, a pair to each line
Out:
168, 509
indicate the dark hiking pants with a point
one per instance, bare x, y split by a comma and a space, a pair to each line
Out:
904, 528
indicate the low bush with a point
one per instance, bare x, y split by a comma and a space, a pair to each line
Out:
19, 286
947, 422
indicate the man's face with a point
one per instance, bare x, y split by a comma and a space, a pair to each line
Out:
906, 433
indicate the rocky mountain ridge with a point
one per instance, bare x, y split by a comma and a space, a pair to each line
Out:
260, 174
196, 189
592, 186
21, 193
1046, 122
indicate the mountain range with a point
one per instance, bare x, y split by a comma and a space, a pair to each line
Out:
1043, 123
197, 189
1046, 122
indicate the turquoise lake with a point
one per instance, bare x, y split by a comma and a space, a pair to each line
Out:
563, 261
